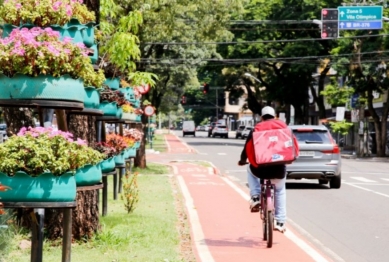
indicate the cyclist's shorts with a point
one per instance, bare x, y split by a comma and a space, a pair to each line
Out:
269, 172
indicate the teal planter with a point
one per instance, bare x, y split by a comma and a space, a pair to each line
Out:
91, 97
7, 29
88, 175
137, 103
119, 159
43, 188
41, 87
88, 35
113, 83
109, 108
137, 144
119, 113
95, 55
128, 94
130, 152
138, 118
107, 165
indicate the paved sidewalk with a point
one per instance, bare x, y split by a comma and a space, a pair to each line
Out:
222, 228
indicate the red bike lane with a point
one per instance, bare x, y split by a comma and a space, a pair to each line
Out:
222, 227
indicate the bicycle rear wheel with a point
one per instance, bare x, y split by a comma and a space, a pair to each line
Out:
269, 228
264, 227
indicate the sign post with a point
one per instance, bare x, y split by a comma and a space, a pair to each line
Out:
360, 17
149, 111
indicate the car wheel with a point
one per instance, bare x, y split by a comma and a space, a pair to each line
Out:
183, 135
336, 182
323, 182
226, 136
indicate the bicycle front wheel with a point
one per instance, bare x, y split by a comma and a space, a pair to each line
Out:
269, 228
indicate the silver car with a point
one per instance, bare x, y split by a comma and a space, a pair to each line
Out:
319, 156
220, 130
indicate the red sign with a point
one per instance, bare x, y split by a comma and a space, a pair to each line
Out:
149, 110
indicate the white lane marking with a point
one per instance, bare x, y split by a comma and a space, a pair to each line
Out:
366, 189
221, 154
210, 170
233, 178
386, 179
367, 184
316, 241
198, 175
363, 179
198, 234
299, 242
203, 153
167, 144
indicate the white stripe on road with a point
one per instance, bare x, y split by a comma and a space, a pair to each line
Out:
221, 154
299, 242
198, 235
366, 189
363, 179
386, 179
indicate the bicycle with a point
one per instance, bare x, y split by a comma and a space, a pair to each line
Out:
267, 210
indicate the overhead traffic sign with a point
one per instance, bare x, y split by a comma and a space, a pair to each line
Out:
360, 17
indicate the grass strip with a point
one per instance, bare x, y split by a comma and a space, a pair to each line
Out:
159, 143
153, 232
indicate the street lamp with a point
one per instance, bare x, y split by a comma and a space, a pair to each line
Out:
250, 75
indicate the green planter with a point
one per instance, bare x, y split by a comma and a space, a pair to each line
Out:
44, 87
109, 108
88, 35
119, 159
43, 188
113, 83
128, 94
138, 118
137, 144
88, 175
91, 97
107, 165
137, 103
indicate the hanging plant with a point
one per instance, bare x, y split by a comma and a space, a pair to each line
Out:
44, 13
107, 94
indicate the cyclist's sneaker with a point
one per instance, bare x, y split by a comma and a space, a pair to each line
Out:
280, 227
255, 203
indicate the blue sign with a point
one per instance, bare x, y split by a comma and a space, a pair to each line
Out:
360, 17
359, 25
354, 100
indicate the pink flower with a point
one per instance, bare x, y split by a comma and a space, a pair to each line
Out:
81, 142
18, 6
57, 5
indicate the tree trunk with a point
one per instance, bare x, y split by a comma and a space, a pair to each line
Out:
140, 159
16, 118
85, 220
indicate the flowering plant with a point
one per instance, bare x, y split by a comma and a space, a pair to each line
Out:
127, 108
133, 133
117, 142
39, 150
107, 94
38, 51
44, 13
106, 149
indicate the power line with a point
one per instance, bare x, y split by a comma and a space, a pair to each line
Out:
261, 41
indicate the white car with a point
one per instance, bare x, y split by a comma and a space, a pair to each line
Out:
220, 130
246, 131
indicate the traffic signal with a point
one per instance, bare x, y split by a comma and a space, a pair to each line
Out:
206, 88
183, 100
329, 23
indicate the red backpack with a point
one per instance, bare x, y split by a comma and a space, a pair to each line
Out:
274, 143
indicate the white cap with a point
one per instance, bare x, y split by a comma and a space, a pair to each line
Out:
268, 110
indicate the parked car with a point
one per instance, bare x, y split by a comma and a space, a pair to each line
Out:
246, 131
188, 128
210, 127
220, 130
239, 131
202, 128
319, 156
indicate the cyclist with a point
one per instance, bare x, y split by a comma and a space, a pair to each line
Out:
277, 173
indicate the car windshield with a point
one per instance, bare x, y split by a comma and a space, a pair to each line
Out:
241, 127
249, 128
312, 137
221, 126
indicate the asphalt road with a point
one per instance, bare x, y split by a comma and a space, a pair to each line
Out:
347, 224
